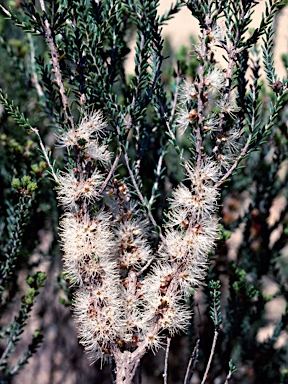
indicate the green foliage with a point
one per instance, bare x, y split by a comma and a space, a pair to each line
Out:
12, 332
215, 308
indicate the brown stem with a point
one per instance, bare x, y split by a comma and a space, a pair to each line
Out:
56, 66
237, 161
127, 363
200, 105
165, 374
211, 356
134, 182
112, 170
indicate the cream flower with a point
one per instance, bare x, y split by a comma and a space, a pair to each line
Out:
88, 247
229, 106
87, 136
187, 93
71, 189
133, 246
215, 78
98, 324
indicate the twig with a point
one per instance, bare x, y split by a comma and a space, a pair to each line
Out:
112, 170
5, 11
234, 166
192, 362
157, 177
228, 377
139, 273
161, 157
6, 351
34, 78
139, 373
56, 66
134, 182
216, 333
173, 137
165, 374
35, 130
195, 353
173, 110
200, 102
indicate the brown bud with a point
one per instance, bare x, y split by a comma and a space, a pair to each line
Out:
277, 86
193, 115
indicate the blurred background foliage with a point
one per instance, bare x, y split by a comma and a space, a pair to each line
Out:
251, 260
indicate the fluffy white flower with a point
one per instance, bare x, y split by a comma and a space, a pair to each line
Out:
207, 173
217, 34
192, 244
133, 246
187, 92
97, 152
185, 117
229, 140
197, 201
88, 247
71, 189
99, 324
215, 79
154, 341
212, 124
226, 159
91, 124
171, 315
229, 106
86, 135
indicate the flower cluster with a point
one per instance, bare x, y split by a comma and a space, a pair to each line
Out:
88, 241
190, 235
209, 104
107, 251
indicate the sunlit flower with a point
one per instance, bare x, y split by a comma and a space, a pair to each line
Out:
154, 341
97, 152
196, 201
91, 125
226, 159
133, 246
71, 189
229, 140
98, 324
184, 118
215, 78
187, 92
88, 248
228, 106
205, 174
217, 35
212, 124
191, 243
172, 315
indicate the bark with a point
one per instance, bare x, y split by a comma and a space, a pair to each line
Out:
127, 363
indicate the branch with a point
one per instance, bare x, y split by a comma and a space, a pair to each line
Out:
237, 161
34, 77
192, 362
165, 374
35, 130
216, 333
112, 170
56, 66
134, 182
157, 178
